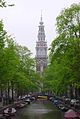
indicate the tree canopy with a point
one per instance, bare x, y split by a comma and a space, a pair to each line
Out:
63, 70
3, 3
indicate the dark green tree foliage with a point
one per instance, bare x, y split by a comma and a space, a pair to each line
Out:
3, 3
64, 56
68, 22
17, 67
2, 52
27, 67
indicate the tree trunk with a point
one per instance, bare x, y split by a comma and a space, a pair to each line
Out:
12, 85
8, 90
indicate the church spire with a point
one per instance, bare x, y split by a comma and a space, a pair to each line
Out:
41, 15
41, 31
41, 22
41, 48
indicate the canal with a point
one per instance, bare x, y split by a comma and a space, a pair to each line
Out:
39, 110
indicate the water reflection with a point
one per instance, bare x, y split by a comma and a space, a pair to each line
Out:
39, 110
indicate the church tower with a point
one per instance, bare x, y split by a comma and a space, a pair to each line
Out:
41, 49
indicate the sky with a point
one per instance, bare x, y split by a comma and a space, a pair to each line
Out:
22, 20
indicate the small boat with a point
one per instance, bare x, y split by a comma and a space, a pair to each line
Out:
10, 111
64, 109
71, 114
28, 100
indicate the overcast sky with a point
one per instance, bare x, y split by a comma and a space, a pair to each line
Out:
22, 20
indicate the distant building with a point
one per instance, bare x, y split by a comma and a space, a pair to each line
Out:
41, 49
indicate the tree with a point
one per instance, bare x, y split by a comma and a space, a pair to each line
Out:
27, 69
68, 22
3, 3
17, 67
2, 52
65, 51
68, 27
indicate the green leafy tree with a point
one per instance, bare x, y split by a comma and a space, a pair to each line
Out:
27, 67
3, 3
65, 51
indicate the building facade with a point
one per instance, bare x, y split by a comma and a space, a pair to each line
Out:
41, 49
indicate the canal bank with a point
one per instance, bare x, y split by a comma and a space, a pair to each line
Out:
39, 110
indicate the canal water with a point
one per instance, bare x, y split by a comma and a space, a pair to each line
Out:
39, 110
